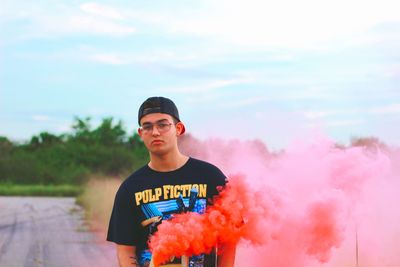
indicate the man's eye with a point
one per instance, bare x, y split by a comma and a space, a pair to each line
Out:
147, 127
162, 125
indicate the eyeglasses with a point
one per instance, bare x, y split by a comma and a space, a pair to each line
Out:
162, 127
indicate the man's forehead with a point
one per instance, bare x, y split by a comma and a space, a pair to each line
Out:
155, 117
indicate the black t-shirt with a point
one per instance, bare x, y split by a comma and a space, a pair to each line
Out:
147, 197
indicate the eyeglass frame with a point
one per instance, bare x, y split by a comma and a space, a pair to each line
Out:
148, 127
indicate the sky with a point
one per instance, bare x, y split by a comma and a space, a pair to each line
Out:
271, 70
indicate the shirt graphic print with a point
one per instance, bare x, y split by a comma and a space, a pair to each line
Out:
177, 199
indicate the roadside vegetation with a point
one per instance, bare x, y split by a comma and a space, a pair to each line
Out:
97, 198
60, 165
61, 190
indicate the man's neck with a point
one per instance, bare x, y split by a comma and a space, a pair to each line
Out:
166, 163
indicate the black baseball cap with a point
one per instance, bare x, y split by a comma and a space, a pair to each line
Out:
158, 104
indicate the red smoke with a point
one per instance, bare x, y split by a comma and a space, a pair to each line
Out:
238, 213
322, 231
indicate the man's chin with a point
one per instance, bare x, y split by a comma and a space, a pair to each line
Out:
159, 151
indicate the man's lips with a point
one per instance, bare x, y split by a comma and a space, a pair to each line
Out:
156, 142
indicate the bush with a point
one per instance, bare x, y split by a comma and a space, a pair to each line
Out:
71, 158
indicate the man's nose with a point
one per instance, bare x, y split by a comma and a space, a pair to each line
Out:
154, 130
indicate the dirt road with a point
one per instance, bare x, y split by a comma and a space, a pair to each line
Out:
49, 232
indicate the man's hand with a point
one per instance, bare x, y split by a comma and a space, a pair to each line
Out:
227, 256
127, 256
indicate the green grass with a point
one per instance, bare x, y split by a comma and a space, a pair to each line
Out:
39, 190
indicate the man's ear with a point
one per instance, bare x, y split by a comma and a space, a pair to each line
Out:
139, 130
180, 128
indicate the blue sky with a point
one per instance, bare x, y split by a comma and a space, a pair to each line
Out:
236, 69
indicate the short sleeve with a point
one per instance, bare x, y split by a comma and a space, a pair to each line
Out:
218, 180
123, 228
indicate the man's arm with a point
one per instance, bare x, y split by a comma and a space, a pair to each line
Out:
127, 256
227, 256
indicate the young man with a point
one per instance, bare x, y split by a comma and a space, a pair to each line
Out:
170, 183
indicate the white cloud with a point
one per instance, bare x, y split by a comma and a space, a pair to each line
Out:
112, 59
60, 19
102, 11
339, 123
149, 58
296, 24
244, 102
170, 56
93, 25
41, 118
389, 109
206, 87
392, 71
310, 93
253, 23
382, 110
333, 118
318, 114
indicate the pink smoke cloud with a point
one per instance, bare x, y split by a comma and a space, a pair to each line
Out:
317, 201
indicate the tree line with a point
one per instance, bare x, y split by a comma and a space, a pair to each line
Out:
107, 150
70, 158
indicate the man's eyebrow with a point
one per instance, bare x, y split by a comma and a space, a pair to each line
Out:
162, 120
